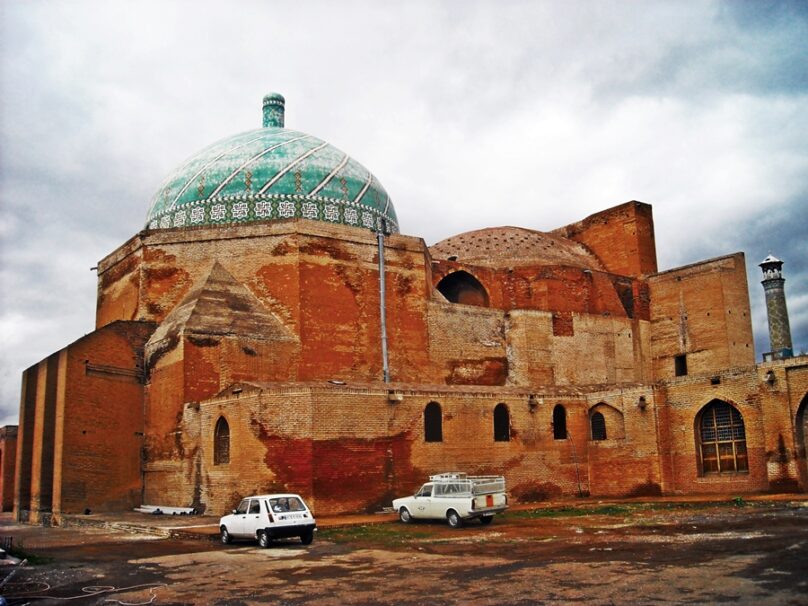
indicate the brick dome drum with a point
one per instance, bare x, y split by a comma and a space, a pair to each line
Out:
271, 173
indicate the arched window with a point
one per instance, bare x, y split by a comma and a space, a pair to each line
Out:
722, 439
433, 423
462, 287
221, 442
502, 424
559, 423
598, 426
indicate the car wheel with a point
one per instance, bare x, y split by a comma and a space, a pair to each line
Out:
404, 515
226, 538
454, 519
263, 539
307, 537
485, 520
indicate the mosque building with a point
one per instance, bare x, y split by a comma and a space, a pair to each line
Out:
271, 329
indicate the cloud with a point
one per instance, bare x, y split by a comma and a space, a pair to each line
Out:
472, 114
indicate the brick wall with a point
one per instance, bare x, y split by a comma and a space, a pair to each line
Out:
701, 311
8, 465
684, 399
82, 426
255, 320
349, 449
622, 237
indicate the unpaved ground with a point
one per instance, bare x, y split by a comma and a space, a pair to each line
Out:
706, 554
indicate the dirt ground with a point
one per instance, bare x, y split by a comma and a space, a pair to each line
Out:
639, 553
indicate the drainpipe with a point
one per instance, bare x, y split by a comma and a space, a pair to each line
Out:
382, 308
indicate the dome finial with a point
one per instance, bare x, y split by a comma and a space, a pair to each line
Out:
274, 104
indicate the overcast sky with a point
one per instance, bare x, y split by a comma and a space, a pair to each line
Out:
472, 114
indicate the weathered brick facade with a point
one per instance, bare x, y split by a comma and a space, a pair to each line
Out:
272, 330
8, 465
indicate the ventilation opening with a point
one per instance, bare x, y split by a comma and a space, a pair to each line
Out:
680, 365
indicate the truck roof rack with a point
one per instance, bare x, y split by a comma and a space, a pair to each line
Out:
475, 484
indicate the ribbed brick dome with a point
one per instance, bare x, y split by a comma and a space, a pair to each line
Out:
271, 173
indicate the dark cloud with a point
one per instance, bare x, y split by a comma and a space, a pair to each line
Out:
472, 114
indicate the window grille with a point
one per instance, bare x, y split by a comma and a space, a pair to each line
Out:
722, 439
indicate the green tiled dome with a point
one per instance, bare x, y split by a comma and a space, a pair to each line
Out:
271, 173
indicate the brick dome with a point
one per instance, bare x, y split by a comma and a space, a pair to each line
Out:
271, 173
514, 246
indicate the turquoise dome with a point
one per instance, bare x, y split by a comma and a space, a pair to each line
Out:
271, 173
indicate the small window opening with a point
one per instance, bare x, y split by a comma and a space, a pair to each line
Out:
680, 365
715, 380
598, 426
502, 424
221, 442
559, 423
433, 423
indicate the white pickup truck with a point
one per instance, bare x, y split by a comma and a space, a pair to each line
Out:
455, 497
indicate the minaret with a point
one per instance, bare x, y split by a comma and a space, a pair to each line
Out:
779, 330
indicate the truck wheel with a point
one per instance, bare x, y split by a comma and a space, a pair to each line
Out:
485, 520
263, 539
455, 521
307, 537
226, 538
404, 515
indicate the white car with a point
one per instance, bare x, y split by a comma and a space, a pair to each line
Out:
267, 517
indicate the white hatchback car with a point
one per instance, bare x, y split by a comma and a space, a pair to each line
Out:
269, 516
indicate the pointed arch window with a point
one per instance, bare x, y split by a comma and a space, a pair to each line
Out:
598, 422
433, 423
559, 422
502, 424
221, 442
722, 439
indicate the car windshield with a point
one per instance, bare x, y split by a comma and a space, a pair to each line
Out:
283, 504
242, 507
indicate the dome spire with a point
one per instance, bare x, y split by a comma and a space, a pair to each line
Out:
274, 105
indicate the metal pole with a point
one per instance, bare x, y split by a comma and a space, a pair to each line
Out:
382, 308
